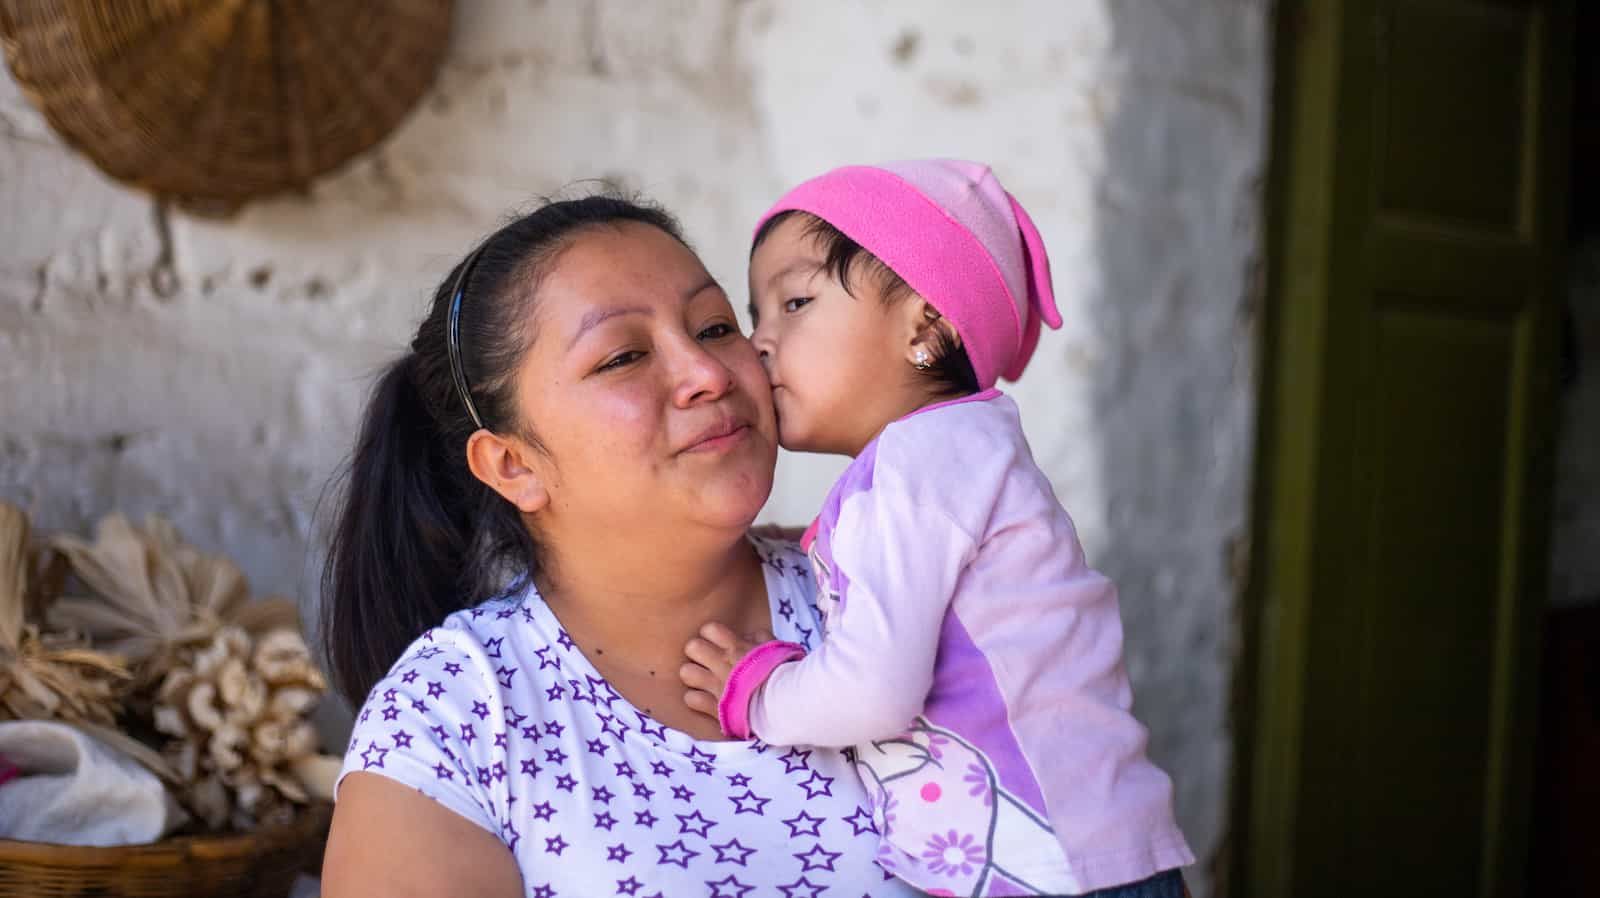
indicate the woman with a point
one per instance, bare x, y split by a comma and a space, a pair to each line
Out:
557, 479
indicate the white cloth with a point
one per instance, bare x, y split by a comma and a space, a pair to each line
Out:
76, 790
498, 716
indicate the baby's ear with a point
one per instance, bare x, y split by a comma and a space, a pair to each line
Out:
931, 334
510, 467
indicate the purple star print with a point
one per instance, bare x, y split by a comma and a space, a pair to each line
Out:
801, 888
645, 818
402, 739
676, 853
748, 803
732, 852
804, 824
682, 793
452, 668
435, 689
369, 760
695, 823
650, 728
618, 852
566, 783
728, 888
605, 821
817, 784
818, 858
602, 794
544, 810
480, 710
861, 822
555, 845
794, 760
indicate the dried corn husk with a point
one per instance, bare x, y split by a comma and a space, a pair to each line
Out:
234, 709
153, 593
45, 675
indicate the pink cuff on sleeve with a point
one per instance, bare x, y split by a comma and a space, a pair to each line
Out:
733, 711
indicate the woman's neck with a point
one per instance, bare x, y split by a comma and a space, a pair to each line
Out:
636, 613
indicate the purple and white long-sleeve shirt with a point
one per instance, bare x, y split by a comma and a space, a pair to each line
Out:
498, 716
974, 661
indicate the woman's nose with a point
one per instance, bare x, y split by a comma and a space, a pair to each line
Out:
702, 377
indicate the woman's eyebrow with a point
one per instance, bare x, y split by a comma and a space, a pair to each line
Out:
596, 317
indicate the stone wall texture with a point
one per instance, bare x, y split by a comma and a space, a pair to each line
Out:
213, 371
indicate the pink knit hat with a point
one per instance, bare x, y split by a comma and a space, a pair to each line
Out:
958, 238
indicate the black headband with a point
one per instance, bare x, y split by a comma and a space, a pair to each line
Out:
453, 339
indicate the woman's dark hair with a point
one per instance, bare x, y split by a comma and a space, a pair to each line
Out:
417, 536
951, 369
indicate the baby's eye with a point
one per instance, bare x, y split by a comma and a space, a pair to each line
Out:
794, 305
718, 331
621, 360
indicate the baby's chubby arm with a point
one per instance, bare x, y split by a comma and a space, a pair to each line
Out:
899, 563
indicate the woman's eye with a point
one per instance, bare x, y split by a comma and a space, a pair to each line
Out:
622, 360
718, 331
795, 304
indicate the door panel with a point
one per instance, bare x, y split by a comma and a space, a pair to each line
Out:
1417, 214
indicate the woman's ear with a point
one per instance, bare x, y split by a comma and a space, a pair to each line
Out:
506, 466
930, 334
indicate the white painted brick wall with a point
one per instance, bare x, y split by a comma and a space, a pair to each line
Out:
213, 371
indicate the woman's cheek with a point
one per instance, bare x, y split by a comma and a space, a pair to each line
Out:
626, 417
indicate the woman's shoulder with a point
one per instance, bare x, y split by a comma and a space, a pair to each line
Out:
439, 719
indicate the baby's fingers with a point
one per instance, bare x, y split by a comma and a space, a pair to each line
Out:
712, 657
701, 701
697, 677
720, 636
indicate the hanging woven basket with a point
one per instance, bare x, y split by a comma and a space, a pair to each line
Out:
214, 102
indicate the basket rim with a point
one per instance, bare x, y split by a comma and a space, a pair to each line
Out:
313, 817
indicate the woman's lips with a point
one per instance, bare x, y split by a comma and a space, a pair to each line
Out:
724, 436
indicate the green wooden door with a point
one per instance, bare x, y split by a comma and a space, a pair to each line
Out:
1407, 415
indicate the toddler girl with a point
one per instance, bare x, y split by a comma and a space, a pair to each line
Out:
972, 658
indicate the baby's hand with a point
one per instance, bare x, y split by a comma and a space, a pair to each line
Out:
712, 656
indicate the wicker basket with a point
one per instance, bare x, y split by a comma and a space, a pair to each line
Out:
213, 102
262, 864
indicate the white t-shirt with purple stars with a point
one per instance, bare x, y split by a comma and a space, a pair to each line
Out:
497, 716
